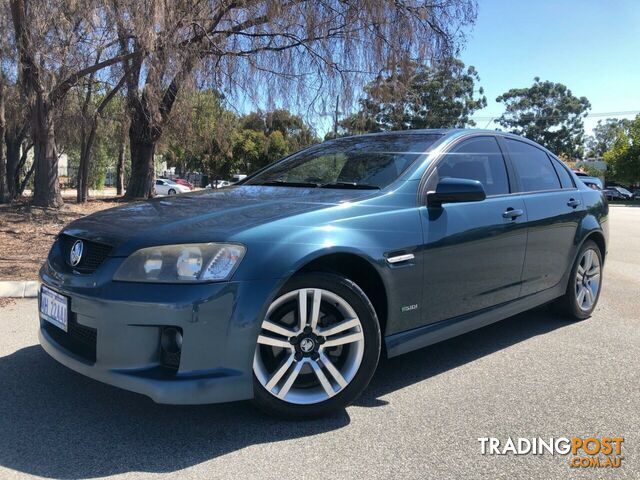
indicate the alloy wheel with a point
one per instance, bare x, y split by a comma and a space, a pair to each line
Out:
310, 347
587, 282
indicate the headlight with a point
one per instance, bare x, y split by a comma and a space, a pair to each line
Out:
193, 262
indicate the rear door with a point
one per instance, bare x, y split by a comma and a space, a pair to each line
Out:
474, 251
554, 209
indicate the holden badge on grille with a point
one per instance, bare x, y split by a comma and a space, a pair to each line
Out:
76, 253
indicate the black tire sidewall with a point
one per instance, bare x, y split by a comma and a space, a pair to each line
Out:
357, 299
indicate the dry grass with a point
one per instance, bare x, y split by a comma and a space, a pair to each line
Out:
27, 232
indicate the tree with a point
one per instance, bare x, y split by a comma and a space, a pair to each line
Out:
292, 50
4, 187
54, 41
605, 134
296, 134
623, 159
547, 113
419, 96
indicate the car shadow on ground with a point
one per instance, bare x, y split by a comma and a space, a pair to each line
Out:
58, 424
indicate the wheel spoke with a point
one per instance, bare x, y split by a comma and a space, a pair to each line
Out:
275, 378
580, 273
315, 309
274, 342
333, 370
594, 271
581, 293
588, 259
352, 337
290, 379
589, 297
323, 379
340, 327
302, 309
277, 329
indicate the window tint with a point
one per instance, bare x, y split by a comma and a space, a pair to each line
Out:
159, 182
565, 177
533, 167
475, 159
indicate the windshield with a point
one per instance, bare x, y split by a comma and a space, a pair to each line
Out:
353, 162
623, 190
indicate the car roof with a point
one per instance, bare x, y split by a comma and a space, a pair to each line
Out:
447, 133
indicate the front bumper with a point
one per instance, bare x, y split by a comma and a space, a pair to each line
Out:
220, 324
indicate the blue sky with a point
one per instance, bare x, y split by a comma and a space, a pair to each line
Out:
591, 46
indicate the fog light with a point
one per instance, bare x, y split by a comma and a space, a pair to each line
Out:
171, 340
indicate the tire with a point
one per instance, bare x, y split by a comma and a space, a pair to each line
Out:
579, 305
171, 191
309, 356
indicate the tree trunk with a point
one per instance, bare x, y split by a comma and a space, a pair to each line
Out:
120, 165
46, 186
13, 165
85, 159
4, 183
142, 140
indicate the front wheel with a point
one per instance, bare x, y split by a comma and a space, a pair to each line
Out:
172, 192
318, 347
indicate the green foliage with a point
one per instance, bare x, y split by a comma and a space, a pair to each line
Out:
590, 170
623, 158
547, 113
605, 134
207, 137
419, 96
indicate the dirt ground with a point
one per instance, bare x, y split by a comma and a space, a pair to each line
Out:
27, 232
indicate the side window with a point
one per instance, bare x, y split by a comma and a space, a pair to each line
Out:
475, 159
533, 167
159, 182
563, 174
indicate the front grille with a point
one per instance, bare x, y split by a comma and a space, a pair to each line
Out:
78, 339
93, 253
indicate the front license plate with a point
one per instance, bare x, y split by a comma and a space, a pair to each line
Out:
54, 307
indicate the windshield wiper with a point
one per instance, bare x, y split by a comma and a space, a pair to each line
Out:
283, 183
350, 185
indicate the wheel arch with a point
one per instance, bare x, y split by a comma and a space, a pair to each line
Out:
598, 237
360, 271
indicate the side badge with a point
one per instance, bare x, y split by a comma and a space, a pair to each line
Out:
408, 308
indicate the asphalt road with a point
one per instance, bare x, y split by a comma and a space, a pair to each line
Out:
532, 375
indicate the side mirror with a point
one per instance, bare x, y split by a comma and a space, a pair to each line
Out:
455, 190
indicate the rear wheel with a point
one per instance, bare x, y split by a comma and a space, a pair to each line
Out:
318, 347
585, 283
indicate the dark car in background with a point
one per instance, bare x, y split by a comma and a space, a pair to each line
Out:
288, 286
618, 193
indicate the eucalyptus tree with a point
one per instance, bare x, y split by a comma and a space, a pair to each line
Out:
56, 43
298, 51
443, 94
547, 113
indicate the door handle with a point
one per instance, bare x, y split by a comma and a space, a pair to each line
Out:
573, 203
512, 213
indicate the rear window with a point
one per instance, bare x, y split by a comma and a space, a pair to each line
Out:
565, 178
533, 167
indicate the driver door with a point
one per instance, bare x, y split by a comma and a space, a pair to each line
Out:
473, 251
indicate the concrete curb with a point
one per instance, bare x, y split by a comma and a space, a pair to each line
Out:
19, 289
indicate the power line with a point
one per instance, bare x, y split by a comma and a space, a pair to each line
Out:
538, 117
